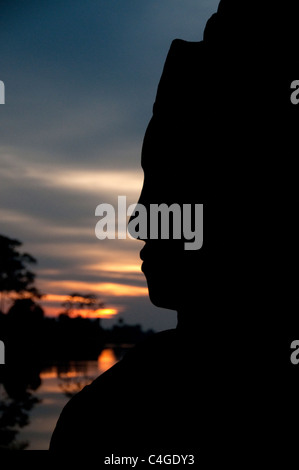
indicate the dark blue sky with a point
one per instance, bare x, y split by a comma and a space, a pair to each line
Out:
80, 81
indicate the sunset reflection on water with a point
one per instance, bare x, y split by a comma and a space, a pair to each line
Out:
58, 384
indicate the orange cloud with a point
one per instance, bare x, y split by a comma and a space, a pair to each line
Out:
115, 267
103, 288
100, 313
122, 290
54, 311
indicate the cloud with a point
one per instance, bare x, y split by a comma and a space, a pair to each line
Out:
69, 179
103, 289
59, 204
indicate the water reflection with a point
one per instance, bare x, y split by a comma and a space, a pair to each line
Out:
107, 359
29, 412
71, 377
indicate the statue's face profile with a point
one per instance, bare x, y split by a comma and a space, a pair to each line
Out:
170, 262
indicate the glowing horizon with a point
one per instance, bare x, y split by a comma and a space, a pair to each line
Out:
106, 291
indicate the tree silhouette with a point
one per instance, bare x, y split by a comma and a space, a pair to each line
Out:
15, 277
79, 302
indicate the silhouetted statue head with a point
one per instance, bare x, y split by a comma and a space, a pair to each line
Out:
220, 106
174, 266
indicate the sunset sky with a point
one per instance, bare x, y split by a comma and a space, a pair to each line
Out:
80, 81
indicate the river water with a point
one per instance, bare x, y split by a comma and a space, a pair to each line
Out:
58, 383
